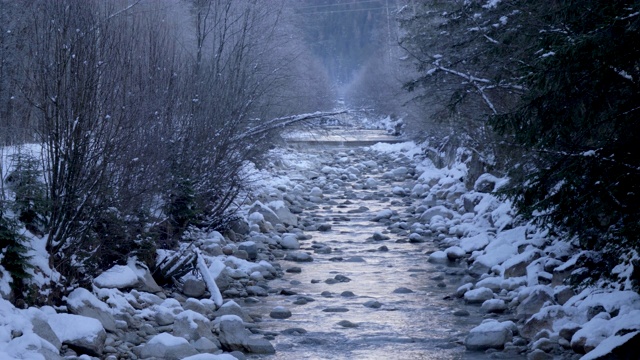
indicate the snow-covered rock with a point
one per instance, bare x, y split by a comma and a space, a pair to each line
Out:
165, 346
534, 302
474, 243
118, 277
517, 265
283, 212
438, 257
491, 334
436, 211
289, 242
455, 253
487, 183
191, 325
479, 295
268, 214
80, 332
315, 191
194, 288
624, 346
82, 302
233, 336
493, 306
493, 256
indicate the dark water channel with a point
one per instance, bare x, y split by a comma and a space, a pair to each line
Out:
413, 325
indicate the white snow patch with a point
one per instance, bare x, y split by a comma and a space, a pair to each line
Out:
167, 340
491, 4
119, 276
607, 345
72, 327
408, 148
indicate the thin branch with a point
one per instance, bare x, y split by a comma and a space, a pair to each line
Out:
122, 10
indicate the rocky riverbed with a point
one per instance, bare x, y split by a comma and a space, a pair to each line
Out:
345, 253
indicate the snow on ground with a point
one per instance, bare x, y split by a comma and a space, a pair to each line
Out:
408, 149
513, 263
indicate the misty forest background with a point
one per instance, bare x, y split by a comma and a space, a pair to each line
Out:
145, 114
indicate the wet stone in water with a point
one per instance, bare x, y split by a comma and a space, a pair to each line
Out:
294, 270
402, 290
347, 324
336, 309
373, 304
280, 312
294, 331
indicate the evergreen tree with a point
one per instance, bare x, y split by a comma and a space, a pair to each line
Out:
560, 81
13, 250
580, 120
29, 190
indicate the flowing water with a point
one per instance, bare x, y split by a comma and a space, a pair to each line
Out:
408, 325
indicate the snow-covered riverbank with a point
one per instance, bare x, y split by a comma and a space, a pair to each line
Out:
512, 274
